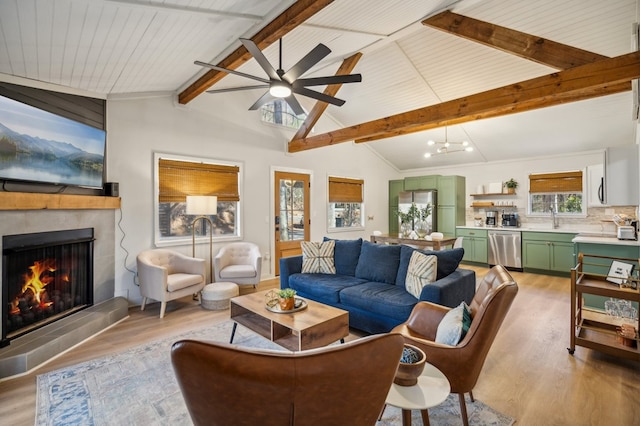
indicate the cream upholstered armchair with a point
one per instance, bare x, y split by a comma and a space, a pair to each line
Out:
167, 275
240, 263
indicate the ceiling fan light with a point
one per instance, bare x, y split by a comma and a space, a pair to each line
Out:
279, 90
469, 149
427, 155
431, 142
465, 143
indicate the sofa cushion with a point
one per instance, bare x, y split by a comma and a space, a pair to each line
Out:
378, 262
346, 255
322, 287
454, 325
384, 299
317, 258
422, 271
448, 261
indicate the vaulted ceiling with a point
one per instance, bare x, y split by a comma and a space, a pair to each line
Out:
564, 90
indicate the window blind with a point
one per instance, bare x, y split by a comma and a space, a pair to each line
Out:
177, 179
345, 190
556, 182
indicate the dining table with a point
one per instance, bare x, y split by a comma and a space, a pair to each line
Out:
421, 243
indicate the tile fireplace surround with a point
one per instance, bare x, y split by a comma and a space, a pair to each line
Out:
29, 351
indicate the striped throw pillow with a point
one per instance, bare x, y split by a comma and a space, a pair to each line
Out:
317, 258
422, 271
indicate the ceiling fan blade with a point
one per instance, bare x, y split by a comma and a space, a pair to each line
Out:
317, 95
260, 58
294, 104
267, 97
322, 81
235, 89
241, 74
310, 59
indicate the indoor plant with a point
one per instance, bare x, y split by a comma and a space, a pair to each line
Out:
286, 298
511, 186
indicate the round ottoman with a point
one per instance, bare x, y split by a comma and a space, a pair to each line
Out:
216, 296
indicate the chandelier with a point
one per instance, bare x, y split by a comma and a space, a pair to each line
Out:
447, 147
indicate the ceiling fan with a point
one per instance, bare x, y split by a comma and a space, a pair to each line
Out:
283, 84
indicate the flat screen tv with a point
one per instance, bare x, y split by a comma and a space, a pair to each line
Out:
41, 147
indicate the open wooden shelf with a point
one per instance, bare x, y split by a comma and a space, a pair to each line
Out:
37, 201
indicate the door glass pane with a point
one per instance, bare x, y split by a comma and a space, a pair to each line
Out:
292, 219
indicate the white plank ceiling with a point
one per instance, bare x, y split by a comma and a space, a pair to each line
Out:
117, 48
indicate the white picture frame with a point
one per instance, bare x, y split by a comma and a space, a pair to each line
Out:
619, 272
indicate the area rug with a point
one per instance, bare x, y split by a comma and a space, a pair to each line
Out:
138, 387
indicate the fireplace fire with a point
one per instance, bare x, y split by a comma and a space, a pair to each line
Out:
45, 276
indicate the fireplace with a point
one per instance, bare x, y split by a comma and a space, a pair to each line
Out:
46, 276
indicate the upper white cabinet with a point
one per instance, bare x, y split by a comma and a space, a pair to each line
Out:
595, 185
621, 178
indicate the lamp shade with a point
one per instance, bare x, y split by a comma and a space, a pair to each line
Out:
202, 205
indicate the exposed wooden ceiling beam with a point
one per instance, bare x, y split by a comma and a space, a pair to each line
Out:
295, 15
312, 118
527, 46
535, 93
523, 45
558, 99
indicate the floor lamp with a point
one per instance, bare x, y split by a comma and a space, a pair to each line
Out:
203, 206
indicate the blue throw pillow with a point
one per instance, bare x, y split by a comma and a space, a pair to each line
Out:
346, 255
378, 262
448, 261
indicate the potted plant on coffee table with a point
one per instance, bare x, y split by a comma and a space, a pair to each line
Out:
286, 299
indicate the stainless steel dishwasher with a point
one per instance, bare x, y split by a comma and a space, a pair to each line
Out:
505, 248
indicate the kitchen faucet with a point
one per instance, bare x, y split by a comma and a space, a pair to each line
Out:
554, 218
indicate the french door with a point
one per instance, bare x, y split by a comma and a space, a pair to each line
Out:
292, 220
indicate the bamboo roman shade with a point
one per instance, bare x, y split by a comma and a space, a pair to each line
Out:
556, 182
177, 179
344, 190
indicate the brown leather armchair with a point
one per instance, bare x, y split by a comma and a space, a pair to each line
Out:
346, 384
461, 364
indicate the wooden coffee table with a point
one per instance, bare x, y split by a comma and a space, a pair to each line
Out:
316, 326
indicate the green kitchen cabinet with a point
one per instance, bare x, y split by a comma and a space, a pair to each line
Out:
417, 183
548, 251
451, 208
395, 187
474, 243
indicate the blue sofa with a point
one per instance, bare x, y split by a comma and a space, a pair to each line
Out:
370, 282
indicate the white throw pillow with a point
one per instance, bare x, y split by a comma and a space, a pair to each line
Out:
454, 325
317, 258
421, 272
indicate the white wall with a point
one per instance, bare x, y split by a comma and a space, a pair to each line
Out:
212, 127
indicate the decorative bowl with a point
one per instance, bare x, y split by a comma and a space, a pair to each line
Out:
411, 366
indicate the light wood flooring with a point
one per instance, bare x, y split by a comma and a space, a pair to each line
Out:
528, 373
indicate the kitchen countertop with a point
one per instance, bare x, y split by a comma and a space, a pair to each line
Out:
585, 236
604, 240
538, 229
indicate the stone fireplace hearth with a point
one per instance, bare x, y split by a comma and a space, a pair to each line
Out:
26, 352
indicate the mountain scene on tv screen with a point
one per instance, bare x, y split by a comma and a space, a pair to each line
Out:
31, 158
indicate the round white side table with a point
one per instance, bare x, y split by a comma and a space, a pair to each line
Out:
431, 390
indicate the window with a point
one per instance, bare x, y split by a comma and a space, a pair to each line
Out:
279, 112
562, 192
177, 178
345, 203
